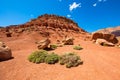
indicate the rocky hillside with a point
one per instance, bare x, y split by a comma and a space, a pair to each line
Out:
51, 26
114, 30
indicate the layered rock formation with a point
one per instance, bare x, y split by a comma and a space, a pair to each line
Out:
108, 37
50, 26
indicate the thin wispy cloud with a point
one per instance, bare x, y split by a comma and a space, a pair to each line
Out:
102, 0
74, 5
99, 1
68, 15
94, 5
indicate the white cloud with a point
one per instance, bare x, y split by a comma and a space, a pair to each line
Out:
102, 0
74, 6
99, 1
94, 5
68, 16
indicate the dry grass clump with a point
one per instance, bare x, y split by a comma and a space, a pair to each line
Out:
70, 60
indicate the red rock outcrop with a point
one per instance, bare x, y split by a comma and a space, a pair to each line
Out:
43, 44
51, 26
109, 37
103, 42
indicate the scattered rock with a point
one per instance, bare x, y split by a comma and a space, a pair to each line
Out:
108, 37
43, 43
59, 43
5, 52
87, 38
68, 41
8, 34
2, 44
103, 42
20, 30
118, 45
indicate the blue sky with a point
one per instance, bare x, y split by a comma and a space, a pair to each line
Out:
90, 15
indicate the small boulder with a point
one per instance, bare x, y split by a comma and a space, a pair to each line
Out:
103, 42
118, 45
68, 41
5, 52
59, 43
2, 44
8, 34
43, 43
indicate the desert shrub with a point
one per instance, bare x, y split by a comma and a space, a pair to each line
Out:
77, 48
70, 59
38, 56
53, 46
52, 58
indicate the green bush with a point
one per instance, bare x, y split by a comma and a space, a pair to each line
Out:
41, 56
52, 58
38, 56
77, 48
53, 46
70, 59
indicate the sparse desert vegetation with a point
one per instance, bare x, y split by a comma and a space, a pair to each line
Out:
77, 47
53, 46
70, 60
38, 56
42, 56
52, 58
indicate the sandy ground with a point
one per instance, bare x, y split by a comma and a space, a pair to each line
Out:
100, 63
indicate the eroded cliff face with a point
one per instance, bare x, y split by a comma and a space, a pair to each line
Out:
51, 26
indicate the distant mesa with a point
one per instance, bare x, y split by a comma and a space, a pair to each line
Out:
117, 33
114, 30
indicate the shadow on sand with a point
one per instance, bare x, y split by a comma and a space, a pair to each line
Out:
48, 49
6, 59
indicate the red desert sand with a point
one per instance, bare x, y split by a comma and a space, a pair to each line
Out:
100, 63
